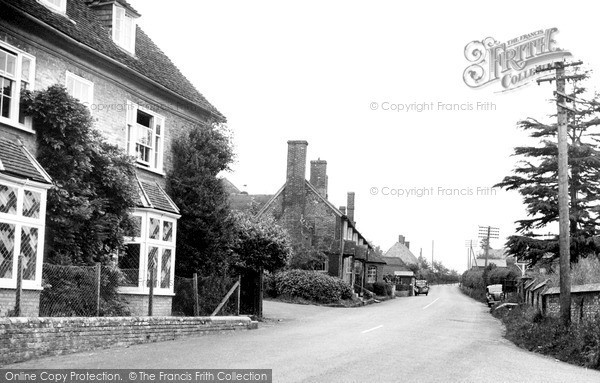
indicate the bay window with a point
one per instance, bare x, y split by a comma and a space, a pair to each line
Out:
22, 223
150, 251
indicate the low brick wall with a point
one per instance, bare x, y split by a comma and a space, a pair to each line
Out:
25, 338
585, 302
30, 302
138, 304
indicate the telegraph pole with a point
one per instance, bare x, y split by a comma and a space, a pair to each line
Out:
563, 187
432, 254
470, 254
487, 232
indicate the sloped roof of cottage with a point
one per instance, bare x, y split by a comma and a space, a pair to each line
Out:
149, 61
16, 161
401, 251
151, 195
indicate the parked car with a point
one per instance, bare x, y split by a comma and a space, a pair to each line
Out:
494, 294
421, 287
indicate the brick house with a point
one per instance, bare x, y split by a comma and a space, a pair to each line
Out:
138, 98
302, 208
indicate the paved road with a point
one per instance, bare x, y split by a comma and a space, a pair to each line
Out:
443, 337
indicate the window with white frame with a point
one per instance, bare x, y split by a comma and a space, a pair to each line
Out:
80, 88
124, 26
372, 274
348, 265
16, 74
22, 217
55, 5
150, 253
145, 131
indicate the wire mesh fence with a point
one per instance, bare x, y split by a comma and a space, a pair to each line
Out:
210, 292
95, 291
82, 291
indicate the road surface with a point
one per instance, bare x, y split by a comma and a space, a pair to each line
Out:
442, 337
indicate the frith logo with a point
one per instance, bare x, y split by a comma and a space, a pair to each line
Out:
512, 64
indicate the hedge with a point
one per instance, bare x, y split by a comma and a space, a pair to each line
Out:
310, 285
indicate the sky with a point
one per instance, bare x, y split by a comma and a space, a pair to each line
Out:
336, 73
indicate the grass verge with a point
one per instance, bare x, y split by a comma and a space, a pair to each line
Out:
578, 344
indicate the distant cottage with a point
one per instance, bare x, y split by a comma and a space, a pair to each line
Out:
302, 208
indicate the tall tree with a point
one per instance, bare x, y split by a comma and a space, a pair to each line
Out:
206, 229
536, 179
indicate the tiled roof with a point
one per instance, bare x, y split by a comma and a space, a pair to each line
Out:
16, 161
149, 61
153, 196
394, 261
575, 289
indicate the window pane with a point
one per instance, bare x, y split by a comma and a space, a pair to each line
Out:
11, 61
8, 199
129, 263
25, 69
153, 233
167, 231
165, 269
152, 265
31, 204
29, 246
7, 249
6, 88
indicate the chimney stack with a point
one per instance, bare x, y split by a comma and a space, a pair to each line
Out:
318, 176
407, 244
294, 198
350, 205
343, 209
401, 239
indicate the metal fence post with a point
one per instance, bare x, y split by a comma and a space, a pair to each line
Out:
98, 278
237, 312
151, 296
19, 290
196, 302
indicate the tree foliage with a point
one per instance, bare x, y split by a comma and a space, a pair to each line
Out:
536, 179
260, 244
307, 258
206, 229
94, 182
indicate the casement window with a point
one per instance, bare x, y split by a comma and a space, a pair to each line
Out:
80, 88
149, 252
55, 5
348, 265
17, 71
323, 266
372, 274
145, 131
22, 224
124, 26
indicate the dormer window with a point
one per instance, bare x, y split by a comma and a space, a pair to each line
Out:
55, 5
124, 25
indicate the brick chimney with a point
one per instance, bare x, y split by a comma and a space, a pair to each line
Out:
401, 239
294, 198
407, 244
343, 209
350, 205
318, 176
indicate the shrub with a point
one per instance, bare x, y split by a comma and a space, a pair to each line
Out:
379, 288
311, 285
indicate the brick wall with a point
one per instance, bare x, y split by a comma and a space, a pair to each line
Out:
25, 338
584, 305
138, 304
30, 302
